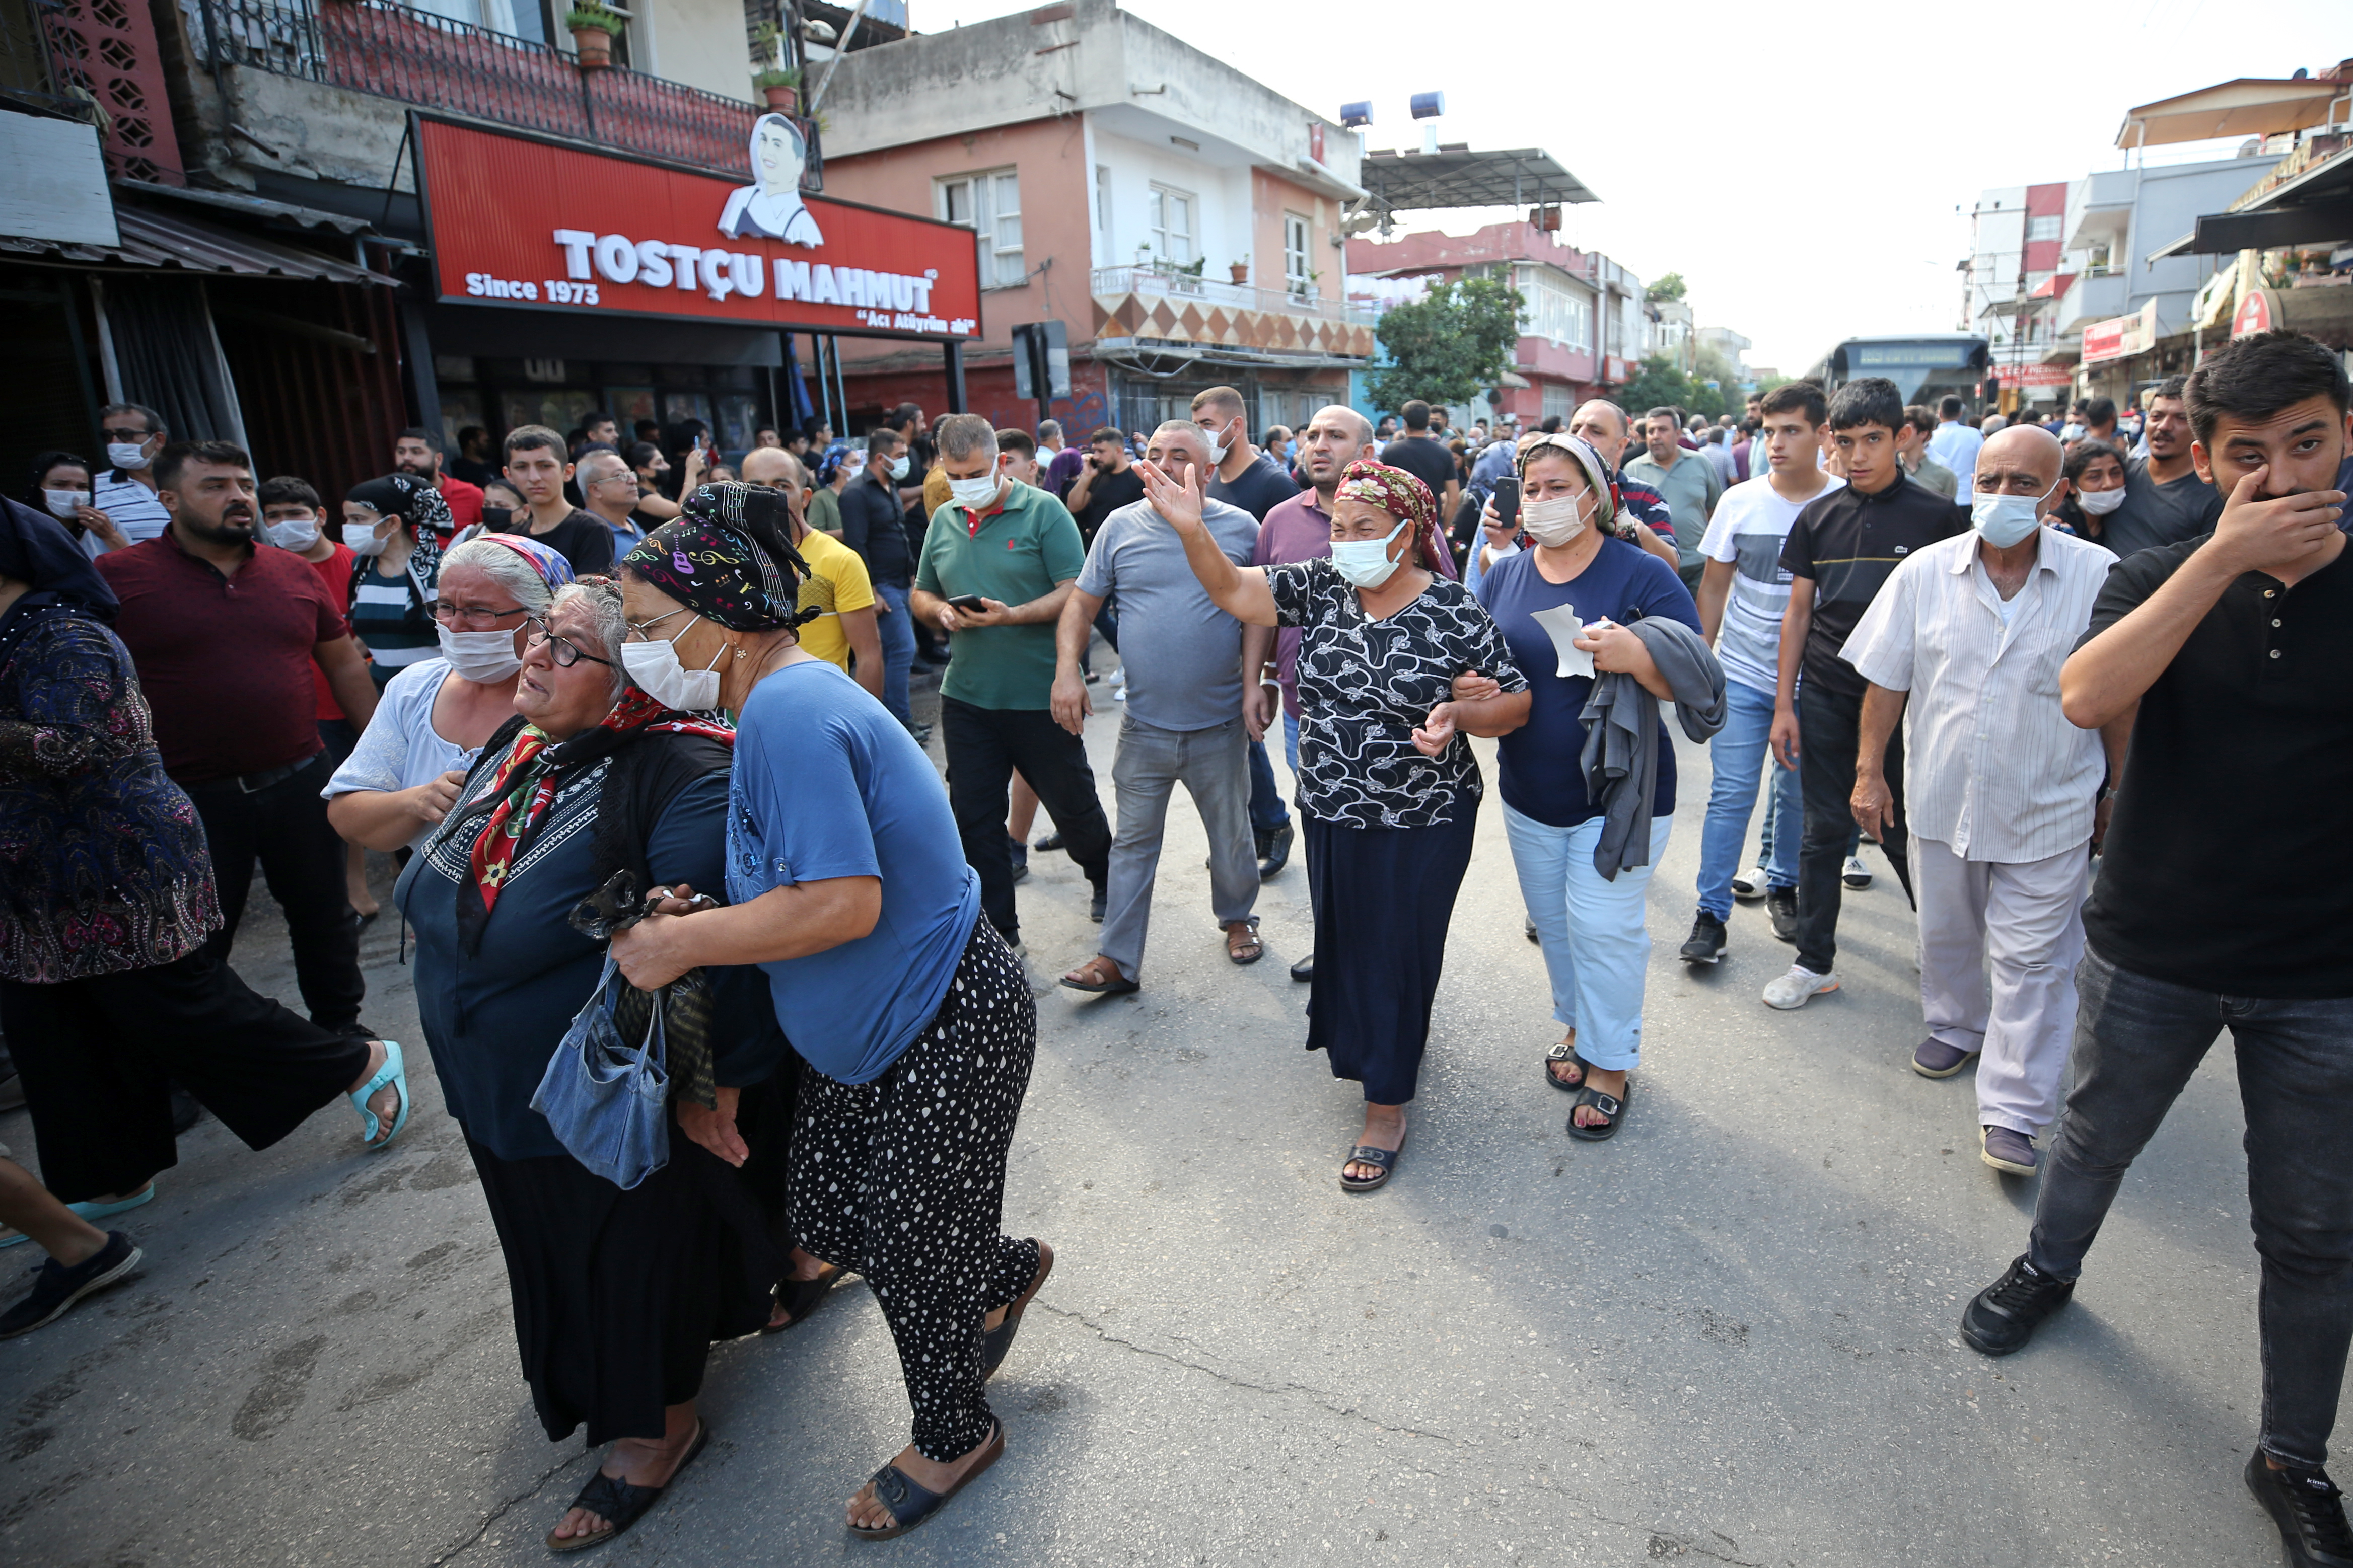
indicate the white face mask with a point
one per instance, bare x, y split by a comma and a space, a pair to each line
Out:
1554, 522
899, 466
62, 503
2003, 520
1220, 445
484, 656
365, 542
295, 533
2071, 432
1365, 563
973, 494
655, 667
128, 455
2099, 503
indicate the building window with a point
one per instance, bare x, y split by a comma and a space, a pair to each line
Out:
2043, 228
1294, 256
989, 205
1553, 310
1102, 199
1172, 225
1559, 402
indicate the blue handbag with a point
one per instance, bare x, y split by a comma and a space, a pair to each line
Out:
607, 1102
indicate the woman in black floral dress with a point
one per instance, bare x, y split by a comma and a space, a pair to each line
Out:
1386, 780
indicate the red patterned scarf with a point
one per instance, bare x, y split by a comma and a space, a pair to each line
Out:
530, 774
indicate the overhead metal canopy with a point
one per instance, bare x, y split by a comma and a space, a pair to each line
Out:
1459, 177
2250, 106
2313, 208
154, 239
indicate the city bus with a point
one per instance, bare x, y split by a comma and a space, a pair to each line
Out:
1924, 368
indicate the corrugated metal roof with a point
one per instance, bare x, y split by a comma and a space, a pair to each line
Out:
254, 206
154, 239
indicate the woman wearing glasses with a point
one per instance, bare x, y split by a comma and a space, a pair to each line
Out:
435, 715
618, 1294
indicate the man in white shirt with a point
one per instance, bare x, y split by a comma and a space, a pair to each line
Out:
2003, 794
1742, 592
125, 490
1954, 444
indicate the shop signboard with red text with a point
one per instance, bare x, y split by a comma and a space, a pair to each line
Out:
515, 221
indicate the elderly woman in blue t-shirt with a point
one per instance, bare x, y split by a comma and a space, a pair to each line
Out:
1581, 583
847, 882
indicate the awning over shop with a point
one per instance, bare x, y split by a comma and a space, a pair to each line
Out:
2250, 106
154, 239
1459, 177
2313, 206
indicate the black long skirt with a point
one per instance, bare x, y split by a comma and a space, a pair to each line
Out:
1383, 898
618, 1295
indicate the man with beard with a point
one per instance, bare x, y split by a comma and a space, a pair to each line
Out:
2166, 499
2227, 653
225, 637
419, 451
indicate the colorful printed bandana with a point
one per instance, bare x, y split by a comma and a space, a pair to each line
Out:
714, 560
1398, 493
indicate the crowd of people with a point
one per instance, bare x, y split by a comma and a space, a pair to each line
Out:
637, 726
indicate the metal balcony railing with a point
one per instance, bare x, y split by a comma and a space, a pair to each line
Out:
1173, 283
433, 62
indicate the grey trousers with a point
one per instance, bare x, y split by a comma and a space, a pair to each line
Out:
1213, 766
2029, 918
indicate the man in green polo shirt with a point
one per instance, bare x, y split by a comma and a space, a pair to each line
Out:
1688, 480
1015, 548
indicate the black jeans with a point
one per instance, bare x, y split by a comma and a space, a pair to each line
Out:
100, 1056
984, 746
2137, 1042
1828, 728
285, 829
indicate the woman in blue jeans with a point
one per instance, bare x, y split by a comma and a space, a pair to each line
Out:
1580, 586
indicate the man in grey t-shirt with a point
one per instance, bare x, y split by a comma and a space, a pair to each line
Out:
2165, 500
1183, 721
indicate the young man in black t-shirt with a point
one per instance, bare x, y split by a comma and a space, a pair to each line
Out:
2229, 654
1838, 553
1425, 459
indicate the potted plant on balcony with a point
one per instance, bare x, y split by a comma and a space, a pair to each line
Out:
593, 26
780, 86
1240, 270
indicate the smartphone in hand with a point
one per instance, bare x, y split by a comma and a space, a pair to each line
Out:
972, 602
1506, 501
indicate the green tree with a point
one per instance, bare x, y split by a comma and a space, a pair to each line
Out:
1658, 383
1448, 346
1671, 287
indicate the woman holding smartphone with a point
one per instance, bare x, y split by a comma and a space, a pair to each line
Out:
1387, 781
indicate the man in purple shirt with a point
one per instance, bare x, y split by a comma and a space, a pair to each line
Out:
1301, 530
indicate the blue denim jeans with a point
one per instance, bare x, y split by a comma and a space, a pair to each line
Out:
1736, 753
897, 630
1596, 945
1291, 748
2137, 1039
1267, 811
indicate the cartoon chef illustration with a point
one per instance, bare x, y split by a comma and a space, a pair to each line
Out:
772, 206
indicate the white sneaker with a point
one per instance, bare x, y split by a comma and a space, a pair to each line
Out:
1119, 686
1750, 884
1855, 875
1793, 989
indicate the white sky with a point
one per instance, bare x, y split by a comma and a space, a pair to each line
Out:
1800, 170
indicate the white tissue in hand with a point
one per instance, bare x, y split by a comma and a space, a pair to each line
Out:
1561, 623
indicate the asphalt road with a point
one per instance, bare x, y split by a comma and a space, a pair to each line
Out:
1727, 1335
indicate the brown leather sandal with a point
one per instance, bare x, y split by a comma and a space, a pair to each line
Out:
1098, 976
1248, 949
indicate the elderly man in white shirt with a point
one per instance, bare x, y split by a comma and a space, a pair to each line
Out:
2004, 794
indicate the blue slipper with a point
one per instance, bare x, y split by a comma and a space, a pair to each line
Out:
95, 1211
394, 1072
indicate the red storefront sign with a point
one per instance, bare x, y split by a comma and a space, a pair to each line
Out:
2254, 315
520, 222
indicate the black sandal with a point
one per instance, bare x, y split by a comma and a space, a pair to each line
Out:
1564, 1052
620, 1504
911, 1504
997, 1342
799, 1298
1612, 1106
1365, 1154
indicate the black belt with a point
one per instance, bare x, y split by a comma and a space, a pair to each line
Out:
254, 783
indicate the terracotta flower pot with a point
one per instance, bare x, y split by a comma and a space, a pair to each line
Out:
1240, 270
783, 99
594, 46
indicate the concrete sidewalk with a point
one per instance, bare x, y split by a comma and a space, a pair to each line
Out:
1728, 1335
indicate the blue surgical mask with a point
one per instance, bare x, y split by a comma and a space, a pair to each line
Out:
1365, 563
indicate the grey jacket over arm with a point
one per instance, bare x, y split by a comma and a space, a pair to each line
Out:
1620, 759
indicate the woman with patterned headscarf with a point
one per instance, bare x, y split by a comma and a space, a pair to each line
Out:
847, 882
393, 524
1386, 780
592, 794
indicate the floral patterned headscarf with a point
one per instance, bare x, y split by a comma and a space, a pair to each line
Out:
1398, 493
727, 557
